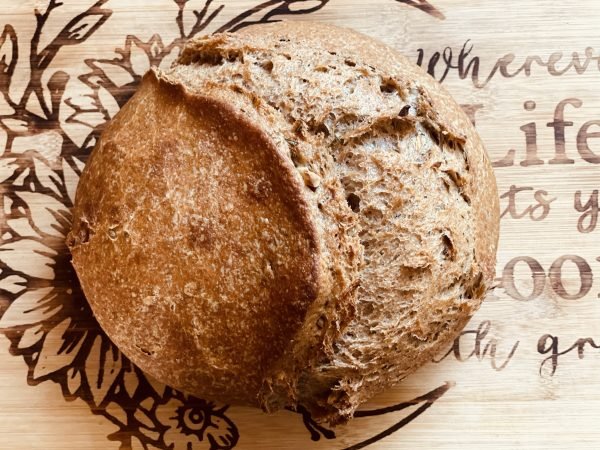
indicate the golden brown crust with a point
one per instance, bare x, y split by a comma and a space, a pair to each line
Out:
381, 175
191, 235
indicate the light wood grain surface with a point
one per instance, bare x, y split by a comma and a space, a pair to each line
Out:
524, 373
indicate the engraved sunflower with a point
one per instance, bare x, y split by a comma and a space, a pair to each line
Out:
203, 424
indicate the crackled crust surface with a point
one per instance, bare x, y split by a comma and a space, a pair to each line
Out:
385, 184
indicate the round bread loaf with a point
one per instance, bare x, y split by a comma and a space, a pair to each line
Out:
292, 215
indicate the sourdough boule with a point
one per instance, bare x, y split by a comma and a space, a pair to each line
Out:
293, 214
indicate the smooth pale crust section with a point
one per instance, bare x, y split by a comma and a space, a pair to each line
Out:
193, 243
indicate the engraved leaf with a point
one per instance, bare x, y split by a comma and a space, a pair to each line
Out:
102, 367
29, 257
14, 125
83, 26
119, 75
45, 211
131, 382
304, 5
54, 354
108, 102
46, 176
221, 433
31, 336
78, 133
75, 31
156, 46
13, 284
55, 90
33, 307
9, 52
48, 144
22, 227
139, 55
73, 380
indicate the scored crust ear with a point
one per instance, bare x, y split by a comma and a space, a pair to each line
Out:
193, 242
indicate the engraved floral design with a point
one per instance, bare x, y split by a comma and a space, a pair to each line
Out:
46, 137
199, 421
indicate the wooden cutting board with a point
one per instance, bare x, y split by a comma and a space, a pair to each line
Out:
524, 371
